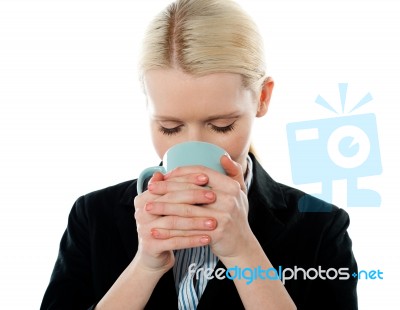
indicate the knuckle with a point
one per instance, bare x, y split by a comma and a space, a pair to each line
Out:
187, 211
185, 233
224, 220
173, 222
195, 195
217, 235
175, 243
159, 207
188, 185
139, 230
137, 214
236, 189
163, 186
192, 242
169, 196
165, 234
230, 201
137, 201
159, 185
176, 171
194, 222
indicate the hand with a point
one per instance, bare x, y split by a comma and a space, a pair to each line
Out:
228, 205
155, 250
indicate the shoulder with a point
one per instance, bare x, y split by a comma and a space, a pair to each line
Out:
290, 206
118, 192
309, 209
105, 201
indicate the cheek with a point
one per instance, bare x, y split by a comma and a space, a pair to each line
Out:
237, 146
160, 143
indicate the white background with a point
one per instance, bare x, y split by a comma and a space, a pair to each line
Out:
73, 119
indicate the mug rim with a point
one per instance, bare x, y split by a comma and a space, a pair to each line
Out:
195, 142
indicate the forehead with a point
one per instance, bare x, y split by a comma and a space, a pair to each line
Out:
172, 89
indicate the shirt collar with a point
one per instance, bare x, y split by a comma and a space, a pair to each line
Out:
248, 178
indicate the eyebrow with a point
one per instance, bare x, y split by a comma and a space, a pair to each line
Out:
210, 118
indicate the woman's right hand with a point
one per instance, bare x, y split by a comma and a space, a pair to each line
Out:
156, 255
147, 254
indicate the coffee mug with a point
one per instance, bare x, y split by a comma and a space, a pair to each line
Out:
192, 153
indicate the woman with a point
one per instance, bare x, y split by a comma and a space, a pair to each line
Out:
204, 76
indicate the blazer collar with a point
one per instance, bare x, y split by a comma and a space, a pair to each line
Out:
264, 189
267, 205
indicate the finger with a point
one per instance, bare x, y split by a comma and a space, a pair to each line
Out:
157, 176
185, 171
183, 210
234, 171
143, 217
172, 222
178, 243
141, 199
192, 178
163, 187
162, 234
190, 196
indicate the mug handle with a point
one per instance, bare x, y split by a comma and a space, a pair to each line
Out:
146, 173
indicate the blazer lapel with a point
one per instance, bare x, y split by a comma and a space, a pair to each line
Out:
266, 206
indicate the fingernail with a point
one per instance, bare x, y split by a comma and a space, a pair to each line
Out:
205, 239
155, 233
209, 195
148, 206
209, 223
202, 178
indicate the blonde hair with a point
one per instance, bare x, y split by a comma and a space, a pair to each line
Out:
202, 37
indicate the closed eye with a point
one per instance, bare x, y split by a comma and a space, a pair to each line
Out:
224, 129
170, 131
175, 130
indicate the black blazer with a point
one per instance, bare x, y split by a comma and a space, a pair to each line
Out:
293, 228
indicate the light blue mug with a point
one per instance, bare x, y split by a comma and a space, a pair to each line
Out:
192, 153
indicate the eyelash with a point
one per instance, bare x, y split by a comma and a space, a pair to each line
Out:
175, 130
225, 129
170, 131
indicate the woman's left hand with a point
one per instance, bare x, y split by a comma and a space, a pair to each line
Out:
232, 236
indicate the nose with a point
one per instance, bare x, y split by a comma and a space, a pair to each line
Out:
195, 134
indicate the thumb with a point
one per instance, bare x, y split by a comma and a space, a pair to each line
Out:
234, 171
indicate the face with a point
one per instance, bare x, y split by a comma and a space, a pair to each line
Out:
215, 108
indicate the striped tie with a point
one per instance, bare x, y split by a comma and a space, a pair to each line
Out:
190, 286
